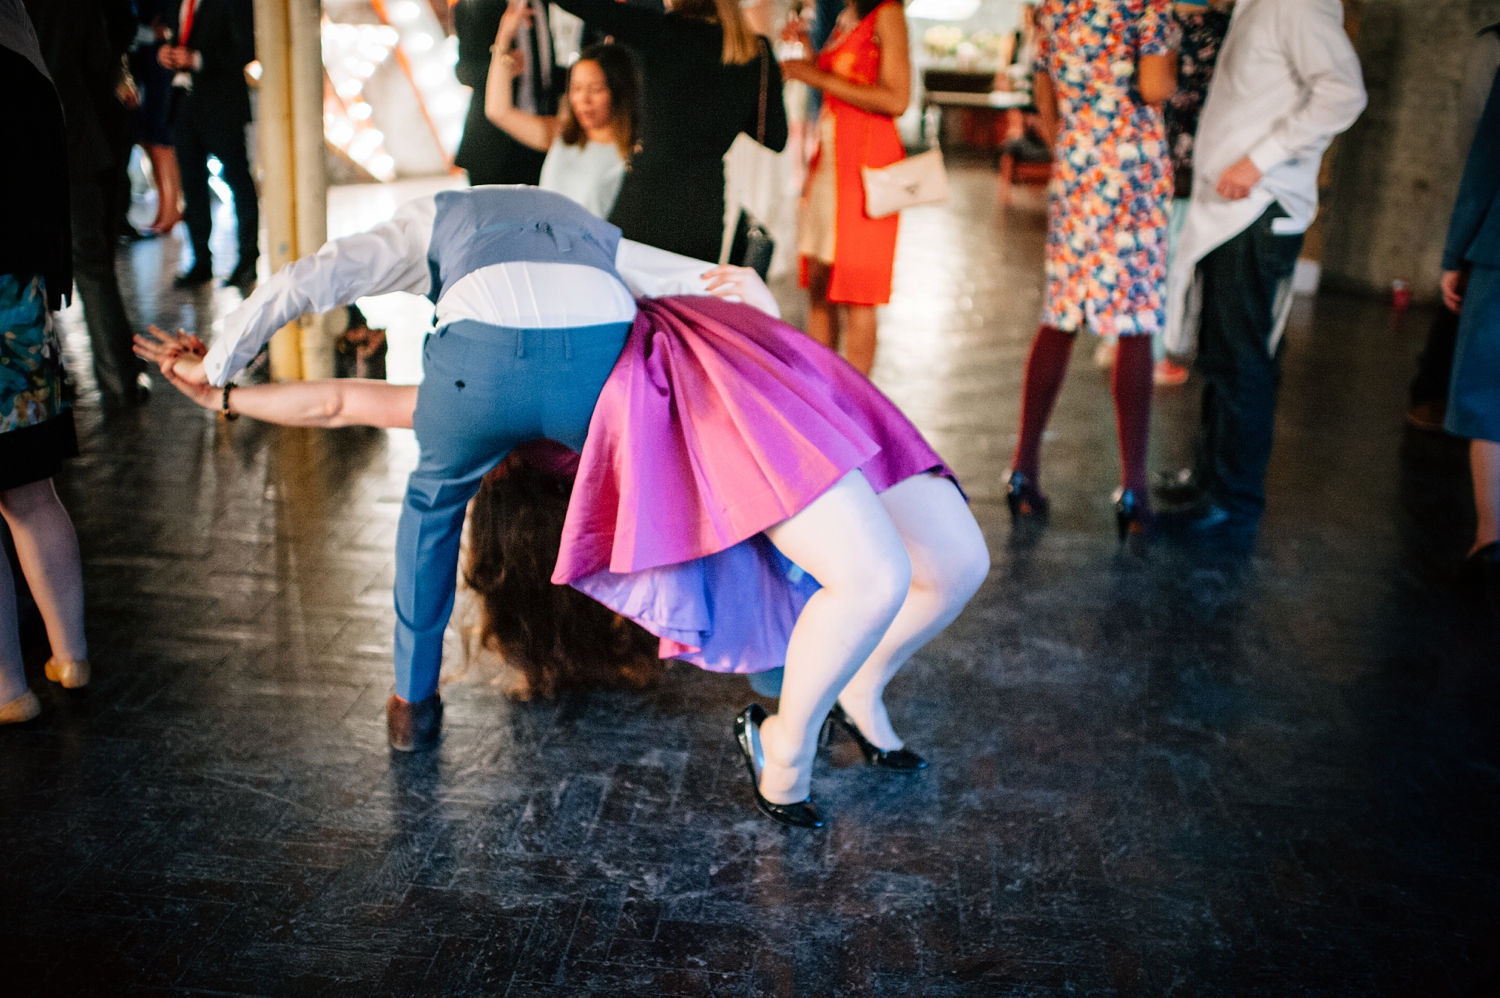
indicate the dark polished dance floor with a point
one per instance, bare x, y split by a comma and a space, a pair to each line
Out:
1163, 770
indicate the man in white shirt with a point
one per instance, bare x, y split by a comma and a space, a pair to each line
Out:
534, 298
1287, 82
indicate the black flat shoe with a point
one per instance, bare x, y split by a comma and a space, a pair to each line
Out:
1023, 497
1482, 568
897, 760
1203, 518
802, 814
1131, 513
195, 278
1177, 488
243, 277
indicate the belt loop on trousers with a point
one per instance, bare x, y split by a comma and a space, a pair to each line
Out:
567, 344
520, 343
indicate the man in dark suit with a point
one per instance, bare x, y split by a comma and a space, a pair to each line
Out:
85, 66
214, 40
490, 155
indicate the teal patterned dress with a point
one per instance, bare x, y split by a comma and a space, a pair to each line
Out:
36, 420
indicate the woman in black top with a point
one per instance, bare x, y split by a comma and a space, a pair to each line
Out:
36, 419
701, 89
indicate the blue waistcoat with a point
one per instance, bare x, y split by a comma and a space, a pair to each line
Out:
482, 226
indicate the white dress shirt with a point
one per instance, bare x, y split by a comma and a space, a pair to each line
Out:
184, 78
1286, 83
393, 257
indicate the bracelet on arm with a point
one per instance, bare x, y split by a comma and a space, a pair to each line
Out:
225, 407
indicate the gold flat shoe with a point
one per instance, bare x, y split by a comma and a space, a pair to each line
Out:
22, 708
71, 674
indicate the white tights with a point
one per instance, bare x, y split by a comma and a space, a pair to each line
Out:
47, 548
895, 569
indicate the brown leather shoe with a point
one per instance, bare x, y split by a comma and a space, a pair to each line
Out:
414, 727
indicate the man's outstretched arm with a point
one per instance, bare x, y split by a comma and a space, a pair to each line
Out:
390, 257
330, 402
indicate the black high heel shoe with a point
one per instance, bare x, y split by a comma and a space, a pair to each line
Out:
1131, 514
897, 760
802, 814
1023, 497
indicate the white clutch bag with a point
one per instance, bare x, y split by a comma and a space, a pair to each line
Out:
915, 180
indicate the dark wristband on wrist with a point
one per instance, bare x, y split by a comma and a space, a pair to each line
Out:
225, 406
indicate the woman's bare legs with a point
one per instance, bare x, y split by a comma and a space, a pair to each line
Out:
47, 548
949, 562
822, 320
12, 670
859, 337
821, 316
1484, 465
845, 540
168, 187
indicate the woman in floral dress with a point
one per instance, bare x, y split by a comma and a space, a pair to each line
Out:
1103, 69
36, 424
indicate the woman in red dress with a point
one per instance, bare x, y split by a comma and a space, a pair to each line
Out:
865, 74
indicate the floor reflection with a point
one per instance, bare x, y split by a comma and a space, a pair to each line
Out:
1164, 769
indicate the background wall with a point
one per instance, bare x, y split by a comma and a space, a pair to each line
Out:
995, 15
1397, 170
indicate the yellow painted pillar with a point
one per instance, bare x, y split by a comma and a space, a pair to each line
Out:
294, 180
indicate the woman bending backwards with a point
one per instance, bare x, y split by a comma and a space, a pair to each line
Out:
726, 452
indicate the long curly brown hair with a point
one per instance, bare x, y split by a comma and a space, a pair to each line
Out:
555, 636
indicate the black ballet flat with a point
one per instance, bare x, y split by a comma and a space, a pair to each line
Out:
1131, 514
1023, 497
1482, 568
195, 278
802, 814
896, 760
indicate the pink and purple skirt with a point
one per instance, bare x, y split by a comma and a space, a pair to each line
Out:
717, 422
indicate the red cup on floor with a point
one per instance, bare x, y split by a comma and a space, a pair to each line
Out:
1400, 295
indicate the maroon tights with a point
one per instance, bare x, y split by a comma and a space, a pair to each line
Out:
1046, 366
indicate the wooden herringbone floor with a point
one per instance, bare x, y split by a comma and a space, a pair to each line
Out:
1164, 770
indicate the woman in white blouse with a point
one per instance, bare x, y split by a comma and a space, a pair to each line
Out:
589, 141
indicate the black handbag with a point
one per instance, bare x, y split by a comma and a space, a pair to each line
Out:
752, 245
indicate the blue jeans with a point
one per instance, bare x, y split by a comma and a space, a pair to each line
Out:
486, 390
